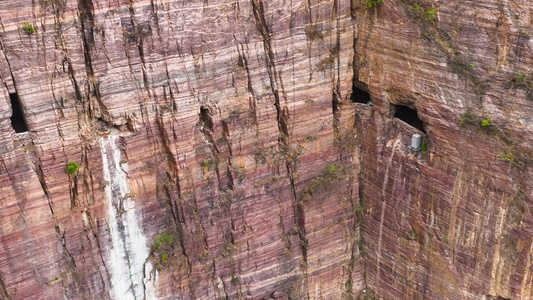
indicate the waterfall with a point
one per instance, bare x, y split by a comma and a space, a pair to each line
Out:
128, 250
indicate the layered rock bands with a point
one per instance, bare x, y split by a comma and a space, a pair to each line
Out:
259, 149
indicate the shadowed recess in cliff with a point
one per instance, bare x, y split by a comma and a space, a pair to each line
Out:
359, 95
206, 118
409, 116
17, 118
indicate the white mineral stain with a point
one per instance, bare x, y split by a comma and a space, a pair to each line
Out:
128, 249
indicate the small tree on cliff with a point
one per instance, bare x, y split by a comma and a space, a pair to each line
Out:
72, 168
370, 3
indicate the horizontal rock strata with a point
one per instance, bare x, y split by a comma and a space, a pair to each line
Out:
221, 141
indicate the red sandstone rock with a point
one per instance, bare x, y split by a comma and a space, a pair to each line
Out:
239, 143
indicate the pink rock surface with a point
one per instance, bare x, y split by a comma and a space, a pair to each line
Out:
236, 136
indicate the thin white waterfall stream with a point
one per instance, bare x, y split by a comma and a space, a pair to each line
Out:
128, 249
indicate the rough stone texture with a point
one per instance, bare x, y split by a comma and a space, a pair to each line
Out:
239, 139
225, 116
456, 222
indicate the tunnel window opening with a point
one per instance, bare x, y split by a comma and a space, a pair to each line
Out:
360, 95
17, 118
409, 116
205, 118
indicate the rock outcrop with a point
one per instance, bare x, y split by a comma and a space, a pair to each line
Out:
259, 149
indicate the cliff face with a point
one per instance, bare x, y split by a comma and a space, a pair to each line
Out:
221, 155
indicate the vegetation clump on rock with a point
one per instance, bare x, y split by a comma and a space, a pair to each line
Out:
370, 3
72, 168
28, 27
330, 175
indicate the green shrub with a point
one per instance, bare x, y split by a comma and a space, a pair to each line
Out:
324, 182
161, 240
425, 15
28, 27
466, 119
485, 123
430, 15
424, 147
72, 168
370, 3
411, 234
507, 156
310, 138
416, 9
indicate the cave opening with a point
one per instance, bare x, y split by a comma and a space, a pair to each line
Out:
359, 95
409, 116
17, 118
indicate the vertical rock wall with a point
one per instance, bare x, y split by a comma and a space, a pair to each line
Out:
456, 221
228, 129
250, 173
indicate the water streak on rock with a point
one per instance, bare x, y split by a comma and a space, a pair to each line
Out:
128, 251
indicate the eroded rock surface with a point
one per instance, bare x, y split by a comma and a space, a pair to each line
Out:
221, 156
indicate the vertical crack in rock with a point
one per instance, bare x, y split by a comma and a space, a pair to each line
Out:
86, 186
334, 58
153, 8
175, 202
282, 116
8, 64
42, 182
86, 8
176, 205
206, 129
31, 241
243, 62
82, 8
336, 96
282, 112
336, 114
80, 287
3, 291
229, 169
358, 244
92, 236
357, 207
138, 32
225, 194
73, 189
181, 236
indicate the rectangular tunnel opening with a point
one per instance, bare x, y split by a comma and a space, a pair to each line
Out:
409, 116
17, 118
205, 118
359, 95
